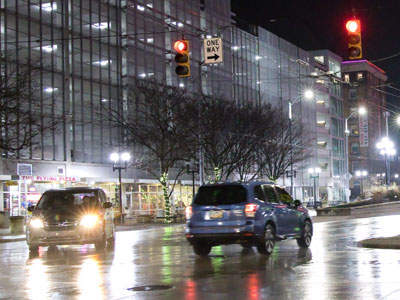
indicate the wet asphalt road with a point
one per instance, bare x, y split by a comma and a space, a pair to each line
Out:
333, 268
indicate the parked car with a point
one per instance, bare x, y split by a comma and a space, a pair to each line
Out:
251, 214
71, 216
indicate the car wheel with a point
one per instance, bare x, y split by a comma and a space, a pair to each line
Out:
201, 249
101, 244
266, 246
305, 240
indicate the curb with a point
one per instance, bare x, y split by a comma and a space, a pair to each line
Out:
11, 240
381, 243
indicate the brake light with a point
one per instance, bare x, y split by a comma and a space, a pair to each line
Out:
188, 212
250, 210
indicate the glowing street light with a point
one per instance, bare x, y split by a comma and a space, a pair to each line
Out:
386, 148
120, 162
308, 95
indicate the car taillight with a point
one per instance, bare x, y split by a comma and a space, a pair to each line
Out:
250, 210
188, 212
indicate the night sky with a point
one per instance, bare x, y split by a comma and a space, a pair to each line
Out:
320, 24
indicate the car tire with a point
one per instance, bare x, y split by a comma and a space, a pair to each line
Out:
266, 246
201, 249
101, 244
305, 240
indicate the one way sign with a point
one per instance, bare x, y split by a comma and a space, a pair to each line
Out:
213, 53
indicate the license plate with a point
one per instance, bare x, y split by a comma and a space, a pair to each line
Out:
216, 214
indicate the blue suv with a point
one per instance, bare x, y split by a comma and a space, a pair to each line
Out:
251, 214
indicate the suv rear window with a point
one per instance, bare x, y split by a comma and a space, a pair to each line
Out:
219, 195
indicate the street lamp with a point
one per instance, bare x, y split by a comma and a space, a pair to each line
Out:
314, 174
192, 168
117, 160
386, 148
361, 112
361, 174
308, 94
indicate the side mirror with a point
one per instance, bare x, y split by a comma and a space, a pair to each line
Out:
107, 205
297, 203
31, 208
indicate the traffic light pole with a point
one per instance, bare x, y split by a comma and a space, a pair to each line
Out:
201, 160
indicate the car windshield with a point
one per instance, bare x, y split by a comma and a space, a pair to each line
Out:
67, 200
219, 195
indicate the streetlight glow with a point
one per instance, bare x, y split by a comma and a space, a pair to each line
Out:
386, 148
308, 94
125, 156
362, 111
114, 157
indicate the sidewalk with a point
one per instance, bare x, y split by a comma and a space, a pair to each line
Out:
6, 236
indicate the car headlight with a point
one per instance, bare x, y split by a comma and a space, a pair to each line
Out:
36, 223
90, 220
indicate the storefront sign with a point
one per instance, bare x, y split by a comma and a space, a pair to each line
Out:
50, 178
24, 169
363, 131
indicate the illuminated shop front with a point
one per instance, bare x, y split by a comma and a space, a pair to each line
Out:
26, 191
138, 198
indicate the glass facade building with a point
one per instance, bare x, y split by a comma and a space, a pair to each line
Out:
89, 52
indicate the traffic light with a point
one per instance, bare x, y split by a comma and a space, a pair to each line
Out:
182, 58
354, 39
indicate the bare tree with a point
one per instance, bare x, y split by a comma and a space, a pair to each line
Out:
281, 148
229, 134
22, 110
156, 124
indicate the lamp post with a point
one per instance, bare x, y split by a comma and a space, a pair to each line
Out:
361, 111
361, 174
117, 160
308, 94
314, 174
386, 148
192, 168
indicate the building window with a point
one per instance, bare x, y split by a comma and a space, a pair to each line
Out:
359, 76
319, 59
355, 148
353, 94
346, 77
354, 130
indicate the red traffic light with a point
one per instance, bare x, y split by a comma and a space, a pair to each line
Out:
353, 26
180, 46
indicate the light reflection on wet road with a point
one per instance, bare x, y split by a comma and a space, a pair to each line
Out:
333, 268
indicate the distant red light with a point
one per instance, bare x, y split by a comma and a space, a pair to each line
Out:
353, 26
180, 46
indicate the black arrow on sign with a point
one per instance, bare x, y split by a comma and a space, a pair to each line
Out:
215, 56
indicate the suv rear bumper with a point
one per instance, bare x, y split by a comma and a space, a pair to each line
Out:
222, 239
222, 235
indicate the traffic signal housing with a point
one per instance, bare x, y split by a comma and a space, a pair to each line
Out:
353, 28
182, 58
